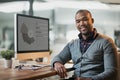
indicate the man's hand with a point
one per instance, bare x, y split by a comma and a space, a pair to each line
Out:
60, 69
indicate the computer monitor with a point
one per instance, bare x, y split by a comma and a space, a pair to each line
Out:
31, 35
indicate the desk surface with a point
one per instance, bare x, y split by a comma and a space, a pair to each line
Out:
15, 74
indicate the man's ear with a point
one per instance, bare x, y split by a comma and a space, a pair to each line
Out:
92, 20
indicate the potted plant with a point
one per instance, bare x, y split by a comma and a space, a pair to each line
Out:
7, 55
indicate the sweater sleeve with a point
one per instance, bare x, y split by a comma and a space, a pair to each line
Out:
63, 57
110, 62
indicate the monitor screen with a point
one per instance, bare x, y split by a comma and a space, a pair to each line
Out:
31, 33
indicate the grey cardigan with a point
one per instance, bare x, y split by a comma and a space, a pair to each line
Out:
98, 62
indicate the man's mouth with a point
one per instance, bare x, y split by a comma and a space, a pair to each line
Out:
83, 28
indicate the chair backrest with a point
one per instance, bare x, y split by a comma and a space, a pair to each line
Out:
118, 65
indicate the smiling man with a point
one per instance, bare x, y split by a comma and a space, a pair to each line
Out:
93, 54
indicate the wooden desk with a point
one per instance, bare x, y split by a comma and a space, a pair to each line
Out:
15, 74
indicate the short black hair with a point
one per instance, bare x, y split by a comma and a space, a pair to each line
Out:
84, 10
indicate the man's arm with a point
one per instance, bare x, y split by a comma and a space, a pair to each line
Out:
61, 70
110, 62
59, 61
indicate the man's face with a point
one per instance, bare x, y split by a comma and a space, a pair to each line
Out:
84, 23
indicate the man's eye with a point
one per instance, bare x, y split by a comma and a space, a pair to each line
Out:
77, 21
84, 19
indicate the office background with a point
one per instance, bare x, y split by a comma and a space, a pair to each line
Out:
61, 15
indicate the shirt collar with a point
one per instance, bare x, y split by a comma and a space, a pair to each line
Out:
92, 36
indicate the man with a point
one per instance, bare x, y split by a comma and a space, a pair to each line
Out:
93, 54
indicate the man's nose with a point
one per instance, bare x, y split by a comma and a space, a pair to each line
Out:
81, 23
